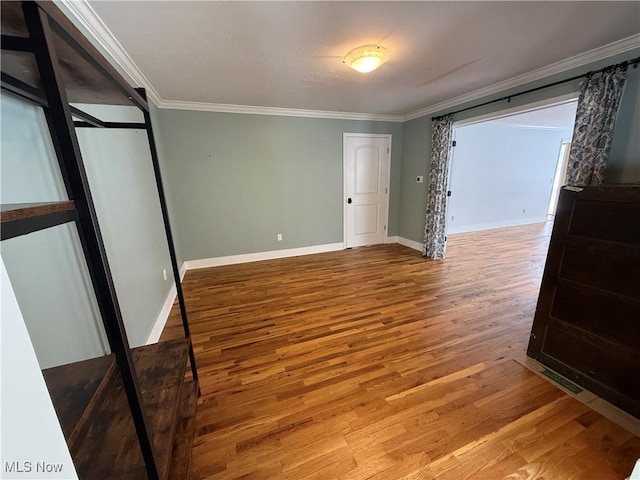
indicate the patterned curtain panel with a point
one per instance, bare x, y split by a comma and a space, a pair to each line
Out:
595, 119
434, 229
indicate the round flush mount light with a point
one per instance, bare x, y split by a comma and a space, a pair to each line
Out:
367, 58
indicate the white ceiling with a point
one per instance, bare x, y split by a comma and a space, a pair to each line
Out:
289, 54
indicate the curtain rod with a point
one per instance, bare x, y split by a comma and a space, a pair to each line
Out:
625, 64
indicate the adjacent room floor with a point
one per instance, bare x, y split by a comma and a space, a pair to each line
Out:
377, 363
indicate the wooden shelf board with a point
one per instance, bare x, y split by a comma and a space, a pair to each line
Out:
83, 82
106, 444
13, 20
183, 443
161, 369
108, 447
20, 211
74, 387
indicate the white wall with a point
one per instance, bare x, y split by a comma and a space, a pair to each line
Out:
501, 175
32, 440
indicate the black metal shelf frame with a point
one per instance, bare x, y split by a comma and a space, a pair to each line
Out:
43, 21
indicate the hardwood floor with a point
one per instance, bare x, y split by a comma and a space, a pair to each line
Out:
377, 363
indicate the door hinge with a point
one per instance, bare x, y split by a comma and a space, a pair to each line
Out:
445, 239
454, 143
387, 149
448, 193
384, 228
386, 190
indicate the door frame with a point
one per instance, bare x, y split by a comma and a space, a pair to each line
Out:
449, 178
345, 136
559, 177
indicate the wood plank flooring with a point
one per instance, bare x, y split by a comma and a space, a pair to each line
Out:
375, 363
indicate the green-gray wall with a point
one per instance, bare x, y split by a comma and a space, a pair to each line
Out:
624, 159
235, 181
164, 168
47, 268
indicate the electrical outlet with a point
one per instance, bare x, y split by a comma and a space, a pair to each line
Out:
164, 274
279, 237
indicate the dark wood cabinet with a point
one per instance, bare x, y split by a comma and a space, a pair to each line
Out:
587, 321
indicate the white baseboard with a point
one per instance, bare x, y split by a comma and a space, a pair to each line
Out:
163, 316
256, 257
392, 239
410, 243
488, 226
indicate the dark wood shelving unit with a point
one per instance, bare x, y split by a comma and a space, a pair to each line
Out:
161, 369
22, 218
90, 395
128, 414
86, 75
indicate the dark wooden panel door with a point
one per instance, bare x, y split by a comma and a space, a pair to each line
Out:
587, 322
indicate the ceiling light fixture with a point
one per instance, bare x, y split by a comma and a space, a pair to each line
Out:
367, 58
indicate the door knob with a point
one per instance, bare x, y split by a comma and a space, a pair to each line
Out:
349, 200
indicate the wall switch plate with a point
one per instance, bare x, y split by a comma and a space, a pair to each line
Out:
164, 274
420, 179
279, 237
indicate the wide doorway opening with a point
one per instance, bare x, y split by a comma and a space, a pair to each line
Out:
508, 169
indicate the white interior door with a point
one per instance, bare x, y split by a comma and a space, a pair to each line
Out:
366, 189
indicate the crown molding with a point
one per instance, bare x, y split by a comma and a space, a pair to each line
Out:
600, 53
84, 14
282, 112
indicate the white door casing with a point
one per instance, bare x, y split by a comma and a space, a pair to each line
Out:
560, 176
448, 208
366, 162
